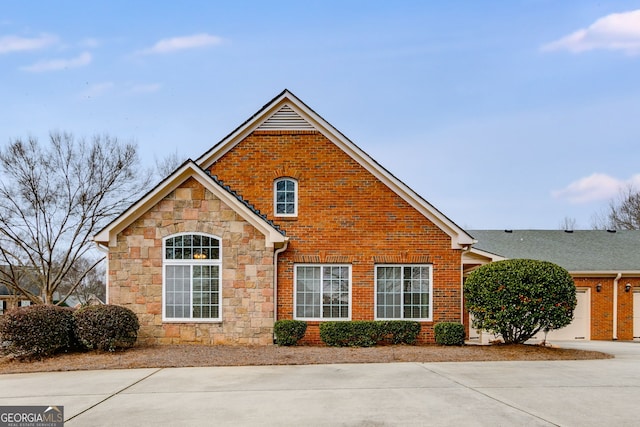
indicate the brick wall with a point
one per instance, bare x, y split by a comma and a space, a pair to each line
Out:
135, 271
345, 215
602, 306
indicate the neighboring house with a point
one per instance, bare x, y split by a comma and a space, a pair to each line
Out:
605, 266
8, 298
285, 218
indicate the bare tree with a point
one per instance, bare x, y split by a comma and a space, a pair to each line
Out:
623, 212
568, 224
165, 166
92, 284
53, 198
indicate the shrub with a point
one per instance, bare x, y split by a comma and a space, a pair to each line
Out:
289, 332
449, 333
37, 330
349, 334
369, 333
106, 327
399, 331
517, 298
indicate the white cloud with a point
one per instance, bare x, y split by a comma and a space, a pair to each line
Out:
148, 88
595, 187
89, 43
10, 44
97, 90
618, 31
60, 64
182, 43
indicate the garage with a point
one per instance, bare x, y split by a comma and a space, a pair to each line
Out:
578, 329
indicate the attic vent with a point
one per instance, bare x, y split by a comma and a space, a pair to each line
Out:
285, 119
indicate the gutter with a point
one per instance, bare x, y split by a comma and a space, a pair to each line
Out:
104, 249
465, 249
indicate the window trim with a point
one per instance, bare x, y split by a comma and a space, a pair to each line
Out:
295, 196
402, 266
321, 318
191, 262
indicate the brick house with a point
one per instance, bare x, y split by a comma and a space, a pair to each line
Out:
605, 266
284, 218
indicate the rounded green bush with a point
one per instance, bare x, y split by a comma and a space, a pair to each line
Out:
289, 332
517, 298
37, 330
449, 333
106, 327
398, 331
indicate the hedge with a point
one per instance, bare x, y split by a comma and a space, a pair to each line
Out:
37, 330
106, 327
362, 333
289, 332
449, 333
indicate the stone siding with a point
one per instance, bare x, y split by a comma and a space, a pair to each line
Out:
135, 271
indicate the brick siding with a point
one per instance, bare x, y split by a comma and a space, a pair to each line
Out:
345, 215
602, 306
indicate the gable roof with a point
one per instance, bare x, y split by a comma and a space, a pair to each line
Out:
287, 112
273, 234
578, 251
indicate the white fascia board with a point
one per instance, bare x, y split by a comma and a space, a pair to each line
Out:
189, 170
460, 239
490, 257
605, 273
210, 157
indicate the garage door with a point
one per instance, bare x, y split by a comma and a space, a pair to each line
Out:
578, 329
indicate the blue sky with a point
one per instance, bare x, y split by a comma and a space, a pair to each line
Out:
502, 114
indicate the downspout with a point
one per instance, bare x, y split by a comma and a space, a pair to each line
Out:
105, 250
465, 249
615, 306
275, 279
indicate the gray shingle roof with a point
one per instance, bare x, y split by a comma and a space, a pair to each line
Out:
245, 202
579, 250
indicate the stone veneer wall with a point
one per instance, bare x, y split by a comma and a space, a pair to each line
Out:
135, 271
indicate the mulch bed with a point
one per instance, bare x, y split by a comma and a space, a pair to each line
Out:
172, 356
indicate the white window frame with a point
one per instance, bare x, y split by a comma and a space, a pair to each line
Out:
321, 267
402, 293
295, 196
191, 262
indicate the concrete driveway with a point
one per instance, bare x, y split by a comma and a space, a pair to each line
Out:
567, 393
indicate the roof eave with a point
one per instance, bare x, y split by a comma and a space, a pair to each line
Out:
460, 239
604, 273
189, 169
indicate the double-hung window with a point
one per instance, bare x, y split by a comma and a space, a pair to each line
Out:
192, 278
285, 197
403, 292
322, 292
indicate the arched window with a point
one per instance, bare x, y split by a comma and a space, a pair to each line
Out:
285, 197
192, 278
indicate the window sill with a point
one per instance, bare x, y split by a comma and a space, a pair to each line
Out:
190, 321
286, 218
